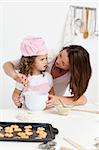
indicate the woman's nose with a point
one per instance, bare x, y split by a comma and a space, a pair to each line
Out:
58, 61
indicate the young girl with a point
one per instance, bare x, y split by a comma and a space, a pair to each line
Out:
33, 64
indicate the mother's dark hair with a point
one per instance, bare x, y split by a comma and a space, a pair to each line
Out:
80, 69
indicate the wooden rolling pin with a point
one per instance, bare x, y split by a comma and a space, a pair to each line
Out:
78, 109
86, 110
74, 144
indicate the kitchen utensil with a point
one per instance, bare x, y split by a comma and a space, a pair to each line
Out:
46, 146
97, 145
50, 130
62, 108
75, 109
78, 24
63, 105
85, 110
65, 148
35, 101
96, 139
86, 13
74, 144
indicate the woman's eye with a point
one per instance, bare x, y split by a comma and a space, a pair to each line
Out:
60, 55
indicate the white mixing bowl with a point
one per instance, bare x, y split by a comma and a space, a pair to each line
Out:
35, 101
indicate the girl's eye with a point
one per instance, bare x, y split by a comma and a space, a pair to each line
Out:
42, 59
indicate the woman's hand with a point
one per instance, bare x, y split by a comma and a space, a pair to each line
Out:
52, 100
21, 78
16, 98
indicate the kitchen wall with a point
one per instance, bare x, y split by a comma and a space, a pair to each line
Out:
46, 19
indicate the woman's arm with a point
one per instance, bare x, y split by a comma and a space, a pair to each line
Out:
66, 100
9, 69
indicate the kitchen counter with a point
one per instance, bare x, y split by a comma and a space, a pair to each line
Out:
82, 127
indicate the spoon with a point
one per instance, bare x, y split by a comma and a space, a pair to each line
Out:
86, 13
63, 105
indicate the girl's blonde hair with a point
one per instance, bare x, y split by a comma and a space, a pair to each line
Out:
26, 65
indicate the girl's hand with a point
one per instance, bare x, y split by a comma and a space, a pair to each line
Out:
16, 99
52, 100
21, 78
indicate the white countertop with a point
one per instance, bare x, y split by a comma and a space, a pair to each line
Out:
82, 127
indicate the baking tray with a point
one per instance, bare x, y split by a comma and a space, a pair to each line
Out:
49, 129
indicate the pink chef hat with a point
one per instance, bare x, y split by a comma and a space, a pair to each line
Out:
33, 46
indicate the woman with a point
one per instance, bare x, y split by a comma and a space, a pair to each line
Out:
71, 68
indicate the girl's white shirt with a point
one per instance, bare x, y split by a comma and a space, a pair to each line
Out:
41, 83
